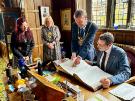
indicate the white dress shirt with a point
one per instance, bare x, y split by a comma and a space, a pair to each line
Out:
107, 56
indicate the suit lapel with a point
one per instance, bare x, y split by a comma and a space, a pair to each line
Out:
111, 58
99, 57
88, 27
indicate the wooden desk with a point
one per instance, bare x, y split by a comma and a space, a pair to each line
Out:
45, 90
86, 91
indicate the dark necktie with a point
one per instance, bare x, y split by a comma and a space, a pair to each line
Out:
103, 61
82, 31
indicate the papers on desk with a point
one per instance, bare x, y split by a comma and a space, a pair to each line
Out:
49, 78
52, 79
58, 62
97, 97
124, 91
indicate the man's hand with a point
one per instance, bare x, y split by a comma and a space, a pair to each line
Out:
77, 60
73, 57
105, 82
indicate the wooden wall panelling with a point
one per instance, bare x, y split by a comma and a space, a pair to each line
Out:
37, 4
124, 36
40, 44
31, 19
30, 4
35, 52
37, 20
129, 39
35, 36
41, 51
121, 36
39, 35
118, 37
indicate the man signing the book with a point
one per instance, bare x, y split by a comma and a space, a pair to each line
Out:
83, 34
113, 60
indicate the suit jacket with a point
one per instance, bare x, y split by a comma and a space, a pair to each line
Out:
87, 50
117, 65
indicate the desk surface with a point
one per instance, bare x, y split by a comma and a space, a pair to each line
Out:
88, 93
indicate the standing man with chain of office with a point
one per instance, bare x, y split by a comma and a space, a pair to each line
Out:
83, 34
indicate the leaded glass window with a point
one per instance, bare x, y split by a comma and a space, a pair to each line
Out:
99, 10
132, 24
121, 10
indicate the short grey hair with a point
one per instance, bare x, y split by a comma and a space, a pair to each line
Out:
79, 13
107, 37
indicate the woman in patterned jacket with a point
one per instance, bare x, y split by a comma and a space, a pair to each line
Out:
50, 37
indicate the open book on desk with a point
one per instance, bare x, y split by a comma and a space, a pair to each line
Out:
124, 91
89, 75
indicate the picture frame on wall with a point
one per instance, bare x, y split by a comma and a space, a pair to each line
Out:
44, 11
66, 19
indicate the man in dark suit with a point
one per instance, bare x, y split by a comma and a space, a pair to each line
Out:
83, 33
113, 60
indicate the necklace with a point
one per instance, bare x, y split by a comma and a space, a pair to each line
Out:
49, 33
81, 39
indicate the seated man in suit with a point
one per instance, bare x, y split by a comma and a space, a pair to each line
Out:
113, 60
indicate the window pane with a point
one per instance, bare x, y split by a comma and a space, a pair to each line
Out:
99, 9
121, 10
133, 13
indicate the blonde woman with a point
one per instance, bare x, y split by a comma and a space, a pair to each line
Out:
3, 64
50, 36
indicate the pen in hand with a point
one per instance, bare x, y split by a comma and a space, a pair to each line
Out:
77, 61
74, 65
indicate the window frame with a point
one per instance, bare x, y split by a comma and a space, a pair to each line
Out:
110, 15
